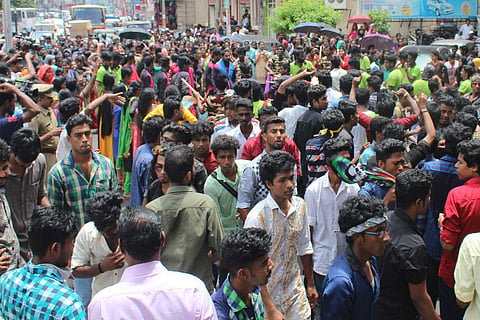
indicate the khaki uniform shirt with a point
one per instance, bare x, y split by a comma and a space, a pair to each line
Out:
43, 123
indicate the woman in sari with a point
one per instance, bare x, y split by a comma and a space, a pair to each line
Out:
105, 113
125, 143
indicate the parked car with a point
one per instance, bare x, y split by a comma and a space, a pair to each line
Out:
424, 53
439, 7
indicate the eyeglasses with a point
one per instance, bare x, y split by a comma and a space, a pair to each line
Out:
167, 141
380, 233
475, 83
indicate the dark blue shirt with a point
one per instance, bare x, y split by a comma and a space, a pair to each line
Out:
347, 292
8, 125
140, 169
445, 179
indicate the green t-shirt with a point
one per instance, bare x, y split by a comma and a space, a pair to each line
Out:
394, 79
415, 72
465, 87
365, 63
100, 74
421, 84
118, 74
363, 82
257, 105
294, 68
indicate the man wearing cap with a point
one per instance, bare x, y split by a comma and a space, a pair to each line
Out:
46, 124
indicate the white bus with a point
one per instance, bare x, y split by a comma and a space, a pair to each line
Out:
24, 19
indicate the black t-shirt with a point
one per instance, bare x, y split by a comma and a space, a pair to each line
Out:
404, 262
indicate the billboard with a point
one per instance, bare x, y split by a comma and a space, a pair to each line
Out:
424, 9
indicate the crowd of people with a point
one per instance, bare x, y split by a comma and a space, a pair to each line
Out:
310, 178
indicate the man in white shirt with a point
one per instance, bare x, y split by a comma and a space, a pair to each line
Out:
246, 129
323, 198
291, 115
466, 274
97, 253
336, 72
147, 289
465, 30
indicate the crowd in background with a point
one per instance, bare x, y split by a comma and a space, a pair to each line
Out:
235, 159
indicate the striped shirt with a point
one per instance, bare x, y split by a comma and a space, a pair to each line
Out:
229, 305
38, 292
68, 188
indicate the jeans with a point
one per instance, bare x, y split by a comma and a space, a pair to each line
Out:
83, 287
318, 285
449, 310
433, 279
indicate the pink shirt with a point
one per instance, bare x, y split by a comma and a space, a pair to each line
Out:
150, 291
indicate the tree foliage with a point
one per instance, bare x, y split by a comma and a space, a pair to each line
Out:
292, 12
382, 20
21, 4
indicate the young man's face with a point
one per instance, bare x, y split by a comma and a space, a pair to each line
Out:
226, 159
275, 136
476, 86
282, 185
245, 116
261, 270
4, 171
110, 232
373, 243
178, 114
160, 170
66, 252
394, 164
464, 172
230, 113
201, 145
446, 114
81, 139
411, 60
107, 63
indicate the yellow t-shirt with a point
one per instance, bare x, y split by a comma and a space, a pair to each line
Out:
158, 111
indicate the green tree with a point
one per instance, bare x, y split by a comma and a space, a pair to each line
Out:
21, 4
292, 12
382, 20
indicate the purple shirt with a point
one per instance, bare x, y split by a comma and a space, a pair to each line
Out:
149, 291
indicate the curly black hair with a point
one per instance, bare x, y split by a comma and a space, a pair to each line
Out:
224, 142
358, 209
4, 151
387, 147
471, 152
453, 135
25, 144
467, 119
47, 226
334, 146
200, 128
411, 185
394, 130
273, 163
241, 247
152, 128
103, 208
332, 119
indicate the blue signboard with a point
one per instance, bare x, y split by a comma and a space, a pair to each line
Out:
424, 9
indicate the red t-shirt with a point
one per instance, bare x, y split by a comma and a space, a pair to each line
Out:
462, 217
209, 162
254, 147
